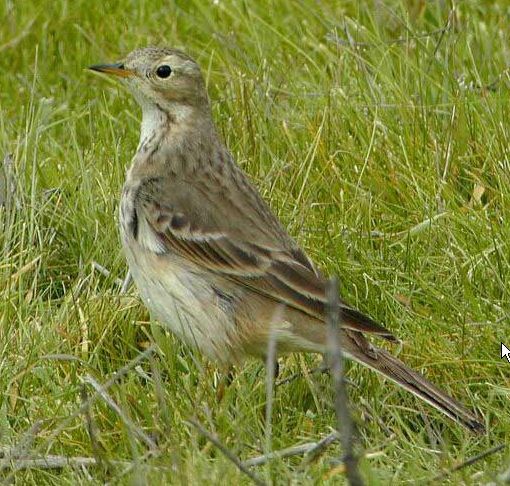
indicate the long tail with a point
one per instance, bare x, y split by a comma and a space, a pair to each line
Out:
381, 361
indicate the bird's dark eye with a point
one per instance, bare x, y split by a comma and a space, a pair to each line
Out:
164, 71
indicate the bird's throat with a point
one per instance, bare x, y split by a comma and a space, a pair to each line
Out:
173, 123
155, 121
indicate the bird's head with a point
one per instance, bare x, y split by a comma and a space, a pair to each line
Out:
160, 77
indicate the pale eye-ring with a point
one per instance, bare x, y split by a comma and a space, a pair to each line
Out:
163, 71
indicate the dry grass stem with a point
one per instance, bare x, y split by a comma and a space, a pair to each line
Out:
105, 386
297, 450
320, 447
126, 283
104, 271
134, 429
226, 452
343, 417
468, 462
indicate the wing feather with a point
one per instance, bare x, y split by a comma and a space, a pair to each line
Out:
271, 272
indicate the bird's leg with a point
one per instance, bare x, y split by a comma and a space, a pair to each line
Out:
318, 370
276, 369
273, 366
322, 368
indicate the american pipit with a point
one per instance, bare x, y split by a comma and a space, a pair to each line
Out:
208, 256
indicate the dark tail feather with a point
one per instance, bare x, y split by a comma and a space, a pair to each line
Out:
392, 368
355, 320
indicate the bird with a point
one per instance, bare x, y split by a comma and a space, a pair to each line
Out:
211, 261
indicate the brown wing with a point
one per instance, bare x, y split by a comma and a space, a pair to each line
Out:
266, 261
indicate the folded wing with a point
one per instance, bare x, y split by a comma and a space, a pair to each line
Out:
283, 275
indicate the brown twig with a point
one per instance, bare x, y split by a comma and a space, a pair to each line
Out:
344, 422
468, 462
226, 452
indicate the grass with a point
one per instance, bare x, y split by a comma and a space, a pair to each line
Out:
383, 150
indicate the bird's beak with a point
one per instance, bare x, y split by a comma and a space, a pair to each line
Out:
116, 69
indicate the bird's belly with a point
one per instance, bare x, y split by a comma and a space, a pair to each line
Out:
184, 302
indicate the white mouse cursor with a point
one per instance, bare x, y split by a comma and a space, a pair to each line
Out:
505, 352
